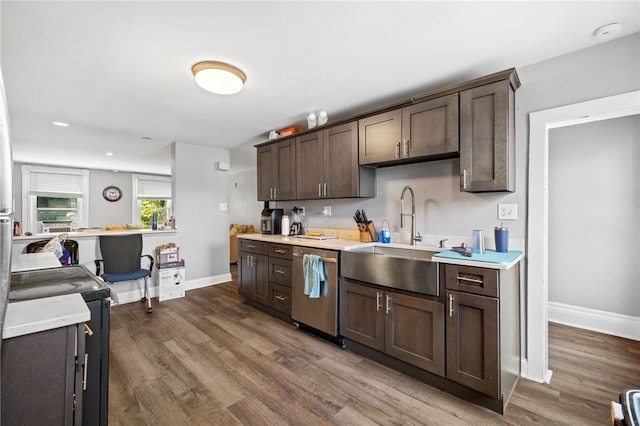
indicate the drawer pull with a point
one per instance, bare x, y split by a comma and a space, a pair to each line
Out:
471, 280
251, 246
280, 251
279, 271
378, 301
450, 305
280, 298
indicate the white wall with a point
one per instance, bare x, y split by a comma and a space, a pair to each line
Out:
594, 215
203, 230
103, 213
243, 195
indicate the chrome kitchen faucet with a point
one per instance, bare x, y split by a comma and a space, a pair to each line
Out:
415, 236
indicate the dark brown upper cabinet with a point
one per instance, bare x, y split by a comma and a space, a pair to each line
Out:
327, 165
414, 133
487, 138
276, 171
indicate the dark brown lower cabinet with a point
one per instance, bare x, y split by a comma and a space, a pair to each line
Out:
409, 328
42, 377
253, 276
472, 342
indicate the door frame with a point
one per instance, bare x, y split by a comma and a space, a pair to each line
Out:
536, 366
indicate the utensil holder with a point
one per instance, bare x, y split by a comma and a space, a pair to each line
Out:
369, 234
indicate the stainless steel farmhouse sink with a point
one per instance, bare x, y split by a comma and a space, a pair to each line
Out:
404, 268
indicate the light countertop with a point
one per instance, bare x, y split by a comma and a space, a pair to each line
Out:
332, 244
92, 233
490, 259
31, 261
32, 316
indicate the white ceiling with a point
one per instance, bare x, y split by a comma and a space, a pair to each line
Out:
120, 71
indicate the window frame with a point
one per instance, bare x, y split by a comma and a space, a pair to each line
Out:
29, 198
136, 196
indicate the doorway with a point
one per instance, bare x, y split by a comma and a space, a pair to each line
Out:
536, 367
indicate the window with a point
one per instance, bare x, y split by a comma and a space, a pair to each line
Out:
152, 195
54, 197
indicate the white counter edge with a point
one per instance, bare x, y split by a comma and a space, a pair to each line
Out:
480, 264
93, 234
32, 316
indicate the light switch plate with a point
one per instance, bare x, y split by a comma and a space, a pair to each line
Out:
326, 210
507, 211
222, 207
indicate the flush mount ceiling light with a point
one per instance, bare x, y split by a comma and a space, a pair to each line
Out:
608, 30
218, 77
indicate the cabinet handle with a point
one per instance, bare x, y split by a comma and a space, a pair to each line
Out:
463, 178
280, 298
279, 271
251, 246
250, 261
471, 280
406, 148
271, 193
84, 373
319, 190
88, 330
275, 193
398, 150
325, 189
378, 301
280, 251
450, 305
388, 304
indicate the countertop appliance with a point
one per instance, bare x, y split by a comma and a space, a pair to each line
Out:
296, 224
322, 313
271, 220
78, 279
6, 206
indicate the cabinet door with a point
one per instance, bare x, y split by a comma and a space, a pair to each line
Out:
266, 172
310, 165
430, 128
414, 331
260, 292
246, 275
487, 139
472, 342
379, 137
285, 170
341, 161
362, 314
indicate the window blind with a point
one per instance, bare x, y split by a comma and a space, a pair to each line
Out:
58, 183
154, 188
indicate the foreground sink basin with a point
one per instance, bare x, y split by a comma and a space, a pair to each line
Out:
404, 268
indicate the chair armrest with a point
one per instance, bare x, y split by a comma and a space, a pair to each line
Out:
148, 256
98, 266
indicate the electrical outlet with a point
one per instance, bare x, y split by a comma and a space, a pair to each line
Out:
507, 211
326, 210
222, 207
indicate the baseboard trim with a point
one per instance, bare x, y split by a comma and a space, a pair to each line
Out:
591, 319
524, 373
136, 295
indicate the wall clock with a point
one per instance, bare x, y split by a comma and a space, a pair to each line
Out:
112, 193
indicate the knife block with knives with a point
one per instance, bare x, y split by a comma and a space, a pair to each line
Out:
366, 227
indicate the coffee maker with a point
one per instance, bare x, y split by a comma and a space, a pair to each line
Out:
270, 221
296, 224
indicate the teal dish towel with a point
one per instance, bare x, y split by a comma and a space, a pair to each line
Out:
314, 274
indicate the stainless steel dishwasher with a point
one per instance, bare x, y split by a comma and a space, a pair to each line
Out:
321, 313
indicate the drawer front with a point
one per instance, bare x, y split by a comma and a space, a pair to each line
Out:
471, 279
251, 246
280, 298
282, 251
280, 271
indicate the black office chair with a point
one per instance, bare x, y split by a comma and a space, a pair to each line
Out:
121, 257
71, 246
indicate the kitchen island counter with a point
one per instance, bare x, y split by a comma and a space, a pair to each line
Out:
32, 316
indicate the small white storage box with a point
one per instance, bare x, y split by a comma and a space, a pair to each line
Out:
172, 283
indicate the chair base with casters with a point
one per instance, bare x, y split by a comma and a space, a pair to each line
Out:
121, 258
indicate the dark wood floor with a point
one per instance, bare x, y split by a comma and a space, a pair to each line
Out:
208, 359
